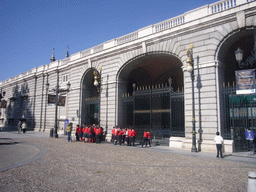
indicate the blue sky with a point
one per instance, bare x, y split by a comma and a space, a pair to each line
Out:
30, 29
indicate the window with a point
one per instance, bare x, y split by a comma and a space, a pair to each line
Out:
65, 78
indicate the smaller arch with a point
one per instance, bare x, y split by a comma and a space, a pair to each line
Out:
89, 98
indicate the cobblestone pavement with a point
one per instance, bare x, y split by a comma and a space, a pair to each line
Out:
36, 162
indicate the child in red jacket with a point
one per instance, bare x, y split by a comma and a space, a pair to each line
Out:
77, 132
148, 138
133, 134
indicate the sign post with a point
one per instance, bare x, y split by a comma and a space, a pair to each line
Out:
249, 135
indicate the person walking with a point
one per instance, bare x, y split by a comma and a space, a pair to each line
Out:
19, 127
120, 135
98, 135
24, 127
113, 135
218, 140
77, 132
133, 134
68, 130
148, 138
81, 132
145, 138
90, 135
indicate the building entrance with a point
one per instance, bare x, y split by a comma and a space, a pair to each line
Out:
90, 113
151, 96
238, 111
157, 109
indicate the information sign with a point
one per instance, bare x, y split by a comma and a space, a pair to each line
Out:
249, 135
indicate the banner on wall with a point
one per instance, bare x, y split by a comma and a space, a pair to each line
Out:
245, 81
61, 102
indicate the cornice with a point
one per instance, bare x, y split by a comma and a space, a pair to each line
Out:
205, 22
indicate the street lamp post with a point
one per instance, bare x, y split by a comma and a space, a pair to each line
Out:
171, 89
57, 90
190, 69
97, 83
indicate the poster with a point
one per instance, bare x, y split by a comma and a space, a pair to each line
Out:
245, 81
61, 102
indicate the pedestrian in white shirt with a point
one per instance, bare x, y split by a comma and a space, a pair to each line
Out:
218, 140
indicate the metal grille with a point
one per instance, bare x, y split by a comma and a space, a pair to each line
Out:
239, 114
159, 111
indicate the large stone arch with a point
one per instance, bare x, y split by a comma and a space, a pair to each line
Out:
152, 68
232, 126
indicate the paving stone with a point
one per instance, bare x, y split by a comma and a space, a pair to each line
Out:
58, 165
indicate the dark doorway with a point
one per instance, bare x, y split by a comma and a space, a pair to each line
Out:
149, 101
90, 100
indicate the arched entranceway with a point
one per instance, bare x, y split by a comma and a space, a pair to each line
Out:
151, 96
90, 101
238, 111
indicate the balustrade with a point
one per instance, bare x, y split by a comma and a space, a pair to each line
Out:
169, 23
127, 38
223, 5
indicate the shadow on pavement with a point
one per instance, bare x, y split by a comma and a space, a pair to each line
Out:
11, 143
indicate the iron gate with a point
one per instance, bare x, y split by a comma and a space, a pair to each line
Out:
159, 110
239, 115
91, 111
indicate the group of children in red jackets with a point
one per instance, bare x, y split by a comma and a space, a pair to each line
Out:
125, 135
89, 134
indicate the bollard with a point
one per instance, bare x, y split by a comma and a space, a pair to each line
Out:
251, 182
51, 132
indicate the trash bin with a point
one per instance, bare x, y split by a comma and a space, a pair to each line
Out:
51, 133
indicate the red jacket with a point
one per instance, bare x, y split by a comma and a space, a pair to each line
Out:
83, 129
120, 133
145, 134
133, 133
90, 131
129, 133
98, 131
101, 130
79, 130
148, 135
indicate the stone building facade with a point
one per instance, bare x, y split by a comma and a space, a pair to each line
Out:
144, 61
